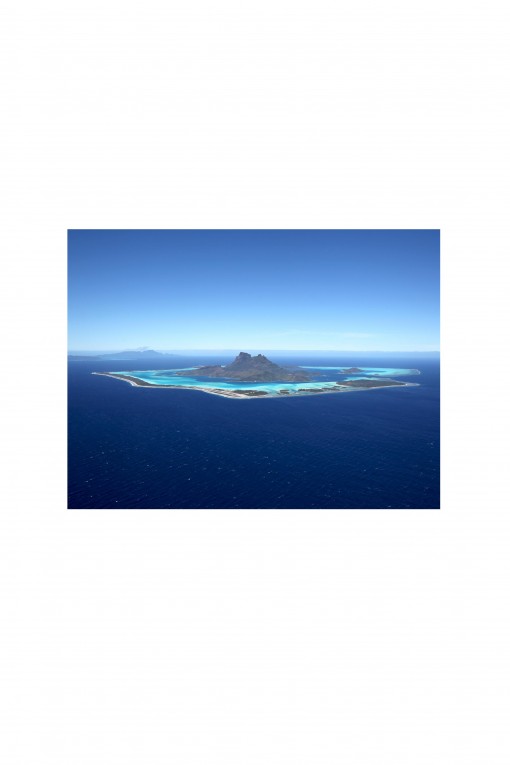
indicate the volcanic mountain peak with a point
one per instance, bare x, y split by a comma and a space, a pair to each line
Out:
244, 360
251, 369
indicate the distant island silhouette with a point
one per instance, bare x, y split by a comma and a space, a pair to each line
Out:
144, 354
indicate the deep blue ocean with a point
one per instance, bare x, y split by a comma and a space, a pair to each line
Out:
133, 447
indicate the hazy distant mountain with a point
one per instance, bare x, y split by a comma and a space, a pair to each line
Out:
148, 354
250, 369
127, 355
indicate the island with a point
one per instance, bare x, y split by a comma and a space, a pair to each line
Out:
249, 377
248, 368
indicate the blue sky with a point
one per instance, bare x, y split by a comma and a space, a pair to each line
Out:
260, 289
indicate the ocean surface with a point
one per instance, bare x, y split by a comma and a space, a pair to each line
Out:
137, 447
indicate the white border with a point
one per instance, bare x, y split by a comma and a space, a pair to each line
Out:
223, 637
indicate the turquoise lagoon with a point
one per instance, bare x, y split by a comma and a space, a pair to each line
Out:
323, 377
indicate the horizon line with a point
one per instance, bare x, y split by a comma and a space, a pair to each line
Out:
272, 350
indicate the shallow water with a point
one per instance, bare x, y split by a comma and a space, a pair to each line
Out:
323, 377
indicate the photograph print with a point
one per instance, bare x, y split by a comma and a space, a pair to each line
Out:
253, 369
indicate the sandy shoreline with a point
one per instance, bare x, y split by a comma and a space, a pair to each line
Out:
137, 383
